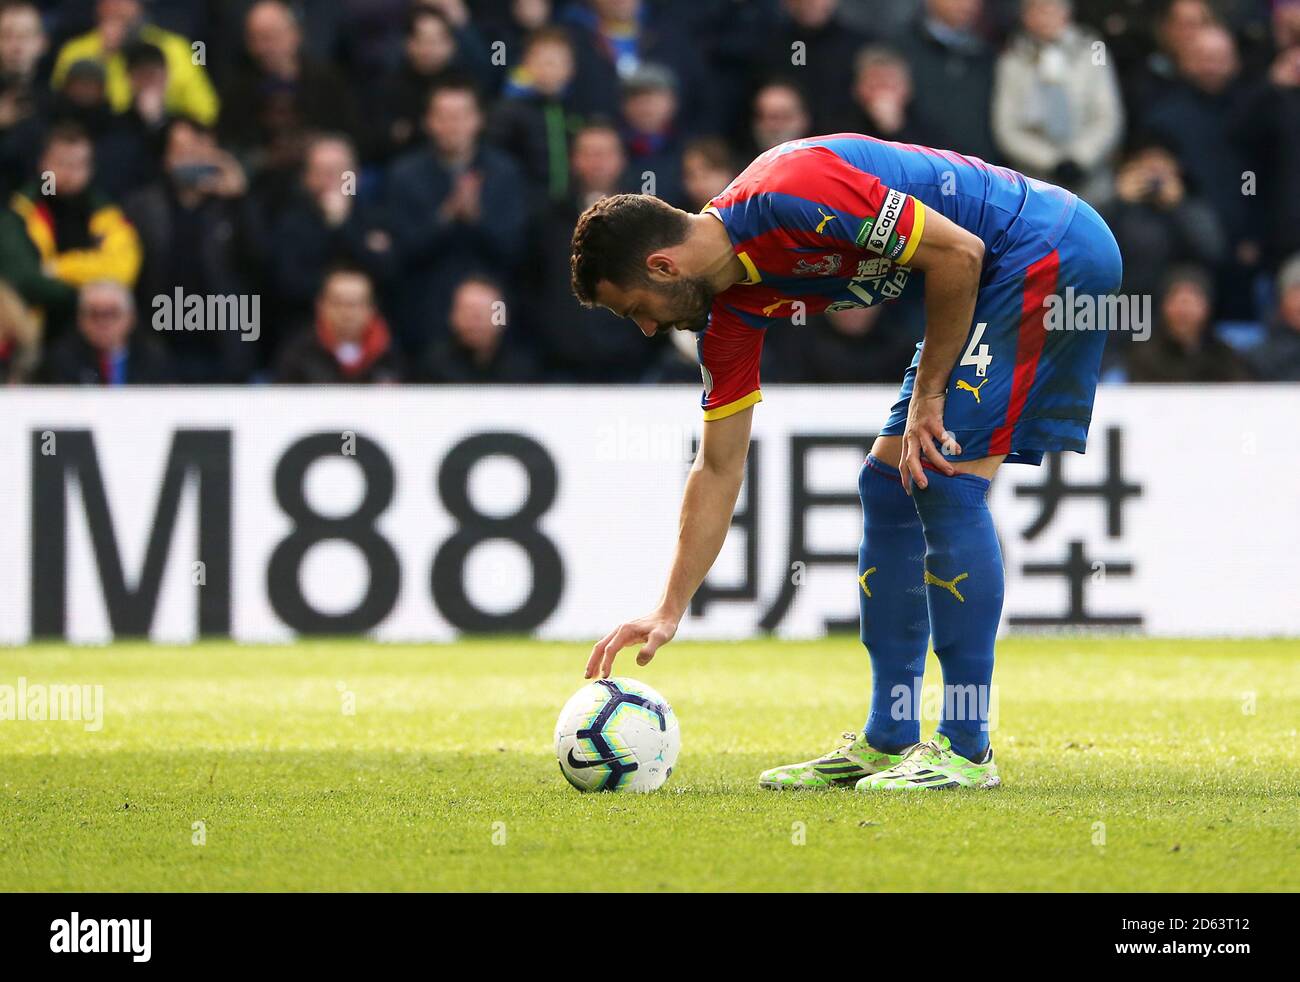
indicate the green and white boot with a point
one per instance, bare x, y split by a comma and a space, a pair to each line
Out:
845, 765
933, 766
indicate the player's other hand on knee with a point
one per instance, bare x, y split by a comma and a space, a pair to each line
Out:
923, 439
651, 632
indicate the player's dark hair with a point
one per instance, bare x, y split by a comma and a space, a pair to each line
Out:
614, 236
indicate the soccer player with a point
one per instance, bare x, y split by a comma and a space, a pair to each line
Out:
848, 221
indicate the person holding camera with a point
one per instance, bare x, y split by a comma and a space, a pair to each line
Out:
1158, 221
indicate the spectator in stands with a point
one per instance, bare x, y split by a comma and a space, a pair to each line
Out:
581, 107
779, 115
577, 344
1057, 112
281, 94
430, 54
1175, 27
611, 40
513, 23
650, 133
129, 153
24, 98
1183, 347
349, 342
811, 46
20, 338
83, 100
953, 67
189, 92
883, 98
707, 168
126, 144
105, 349
326, 222
455, 206
1277, 359
532, 121
478, 348
1269, 128
23, 44
65, 232
188, 222
473, 57
1156, 221
1196, 117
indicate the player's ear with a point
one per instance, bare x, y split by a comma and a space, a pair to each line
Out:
661, 265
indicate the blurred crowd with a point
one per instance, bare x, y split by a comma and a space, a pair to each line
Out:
394, 182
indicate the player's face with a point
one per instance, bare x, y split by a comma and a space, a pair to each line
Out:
679, 304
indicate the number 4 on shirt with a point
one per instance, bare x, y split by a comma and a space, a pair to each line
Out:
978, 354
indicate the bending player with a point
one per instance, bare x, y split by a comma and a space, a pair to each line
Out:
849, 221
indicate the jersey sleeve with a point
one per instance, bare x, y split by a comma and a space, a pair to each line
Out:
819, 196
729, 353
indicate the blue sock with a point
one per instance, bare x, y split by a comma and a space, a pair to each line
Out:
891, 597
964, 585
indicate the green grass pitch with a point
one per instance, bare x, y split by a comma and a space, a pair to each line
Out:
1129, 765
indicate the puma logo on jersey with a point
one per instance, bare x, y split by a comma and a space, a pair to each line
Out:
772, 308
821, 226
949, 585
964, 386
862, 581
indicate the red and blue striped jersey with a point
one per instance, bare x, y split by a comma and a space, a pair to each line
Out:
832, 222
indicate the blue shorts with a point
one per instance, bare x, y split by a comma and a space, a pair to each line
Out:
1018, 388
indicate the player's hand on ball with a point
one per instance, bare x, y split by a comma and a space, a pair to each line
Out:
923, 437
651, 632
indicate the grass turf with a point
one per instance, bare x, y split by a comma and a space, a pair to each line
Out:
1129, 765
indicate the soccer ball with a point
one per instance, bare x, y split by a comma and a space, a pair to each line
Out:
617, 735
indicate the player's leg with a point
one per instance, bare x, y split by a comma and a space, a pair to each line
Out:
962, 570
894, 621
896, 632
895, 629
963, 586
963, 575
1029, 391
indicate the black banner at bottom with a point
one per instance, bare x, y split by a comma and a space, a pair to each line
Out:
136, 932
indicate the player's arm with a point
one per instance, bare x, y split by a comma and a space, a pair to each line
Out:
707, 505
952, 259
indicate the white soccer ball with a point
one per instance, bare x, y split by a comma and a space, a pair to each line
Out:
617, 735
